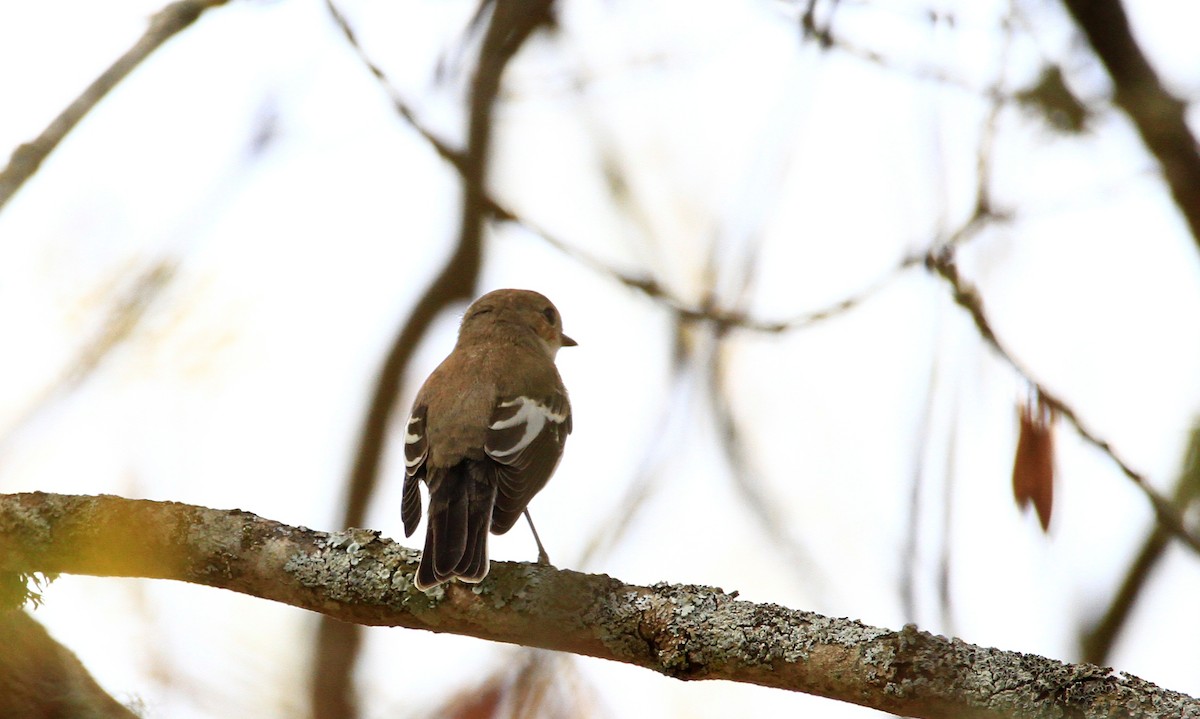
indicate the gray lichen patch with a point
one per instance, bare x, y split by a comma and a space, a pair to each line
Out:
516, 588
352, 540
356, 566
216, 538
693, 632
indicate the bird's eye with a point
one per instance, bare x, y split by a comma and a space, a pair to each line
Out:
551, 315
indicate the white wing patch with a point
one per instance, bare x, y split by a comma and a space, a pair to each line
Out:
530, 413
414, 443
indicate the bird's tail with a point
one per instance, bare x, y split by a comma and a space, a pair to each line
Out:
460, 516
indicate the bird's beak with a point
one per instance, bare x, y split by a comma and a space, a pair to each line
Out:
568, 342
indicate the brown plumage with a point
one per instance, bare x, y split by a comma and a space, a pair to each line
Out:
486, 432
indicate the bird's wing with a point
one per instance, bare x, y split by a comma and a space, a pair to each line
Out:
416, 449
525, 439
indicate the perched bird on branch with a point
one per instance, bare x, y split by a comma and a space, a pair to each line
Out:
486, 432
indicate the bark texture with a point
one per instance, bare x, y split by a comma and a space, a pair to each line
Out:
683, 631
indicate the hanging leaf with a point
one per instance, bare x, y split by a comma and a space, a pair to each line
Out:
1033, 467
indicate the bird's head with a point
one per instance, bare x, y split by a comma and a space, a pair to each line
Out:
520, 311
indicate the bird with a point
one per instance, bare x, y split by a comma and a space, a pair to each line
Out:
486, 431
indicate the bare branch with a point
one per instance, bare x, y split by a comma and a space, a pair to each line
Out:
822, 33
913, 520
41, 678
337, 643
511, 23
1159, 116
454, 157
966, 295
28, 157
1098, 638
681, 631
723, 319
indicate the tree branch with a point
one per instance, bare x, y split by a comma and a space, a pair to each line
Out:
41, 678
682, 631
496, 210
510, 23
1098, 639
942, 262
28, 157
1159, 116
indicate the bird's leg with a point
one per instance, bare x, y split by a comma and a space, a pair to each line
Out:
543, 558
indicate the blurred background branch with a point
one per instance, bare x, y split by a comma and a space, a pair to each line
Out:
28, 157
1159, 116
506, 25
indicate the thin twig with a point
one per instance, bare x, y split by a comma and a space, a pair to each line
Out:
828, 40
646, 285
920, 475
28, 157
454, 157
511, 22
1097, 640
967, 296
945, 565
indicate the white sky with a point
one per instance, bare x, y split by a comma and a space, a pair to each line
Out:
292, 268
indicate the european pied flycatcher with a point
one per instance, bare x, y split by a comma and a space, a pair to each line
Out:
486, 431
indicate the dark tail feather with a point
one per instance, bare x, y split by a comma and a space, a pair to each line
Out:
450, 530
425, 576
410, 505
474, 564
460, 515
